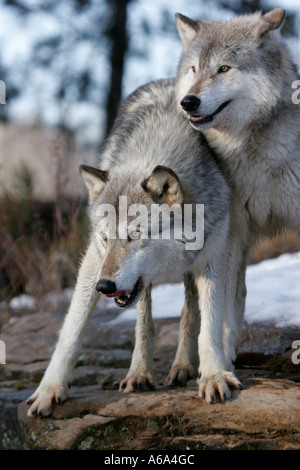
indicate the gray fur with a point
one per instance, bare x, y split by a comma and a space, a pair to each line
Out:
151, 155
149, 131
256, 136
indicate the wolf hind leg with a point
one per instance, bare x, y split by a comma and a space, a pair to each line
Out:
186, 362
140, 375
234, 301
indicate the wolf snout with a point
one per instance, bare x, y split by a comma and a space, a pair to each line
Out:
105, 286
190, 103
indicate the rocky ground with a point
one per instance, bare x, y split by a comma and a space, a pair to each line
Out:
265, 415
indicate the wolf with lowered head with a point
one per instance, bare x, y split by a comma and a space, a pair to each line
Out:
153, 158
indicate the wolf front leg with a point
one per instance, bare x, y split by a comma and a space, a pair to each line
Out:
186, 362
140, 377
54, 385
216, 380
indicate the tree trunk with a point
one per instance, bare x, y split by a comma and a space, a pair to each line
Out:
117, 34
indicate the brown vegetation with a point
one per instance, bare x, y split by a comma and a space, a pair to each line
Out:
42, 233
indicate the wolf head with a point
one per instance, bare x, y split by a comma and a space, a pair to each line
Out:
231, 73
122, 218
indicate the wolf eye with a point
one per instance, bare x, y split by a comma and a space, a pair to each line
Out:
224, 68
134, 235
103, 235
193, 68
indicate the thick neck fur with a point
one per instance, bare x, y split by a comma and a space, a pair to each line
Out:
262, 163
261, 131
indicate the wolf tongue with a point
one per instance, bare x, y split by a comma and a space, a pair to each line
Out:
119, 293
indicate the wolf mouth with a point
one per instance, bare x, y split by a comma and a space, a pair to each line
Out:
125, 298
198, 119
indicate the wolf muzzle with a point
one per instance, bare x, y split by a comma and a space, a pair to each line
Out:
106, 287
190, 103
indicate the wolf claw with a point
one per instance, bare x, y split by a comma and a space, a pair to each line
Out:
218, 387
136, 383
42, 400
179, 376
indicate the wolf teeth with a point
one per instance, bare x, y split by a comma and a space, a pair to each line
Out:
122, 300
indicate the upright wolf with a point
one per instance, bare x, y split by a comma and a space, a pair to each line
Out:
234, 84
152, 157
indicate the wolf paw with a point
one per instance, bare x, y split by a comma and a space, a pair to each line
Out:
179, 375
137, 383
218, 387
43, 399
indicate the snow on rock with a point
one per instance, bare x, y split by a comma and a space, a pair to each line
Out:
273, 291
22, 302
273, 294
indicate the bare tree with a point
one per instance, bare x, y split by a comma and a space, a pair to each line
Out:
117, 34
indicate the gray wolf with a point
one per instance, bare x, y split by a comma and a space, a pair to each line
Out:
152, 157
234, 84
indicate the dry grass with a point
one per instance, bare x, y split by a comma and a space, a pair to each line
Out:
40, 242
43, 221
36, 254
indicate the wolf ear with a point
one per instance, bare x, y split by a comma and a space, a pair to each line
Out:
187, 29
272, 20
164, 186
94, 179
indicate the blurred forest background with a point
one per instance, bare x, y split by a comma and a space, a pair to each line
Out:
66, 66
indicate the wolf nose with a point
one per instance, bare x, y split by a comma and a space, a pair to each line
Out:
190, 103
105, 286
